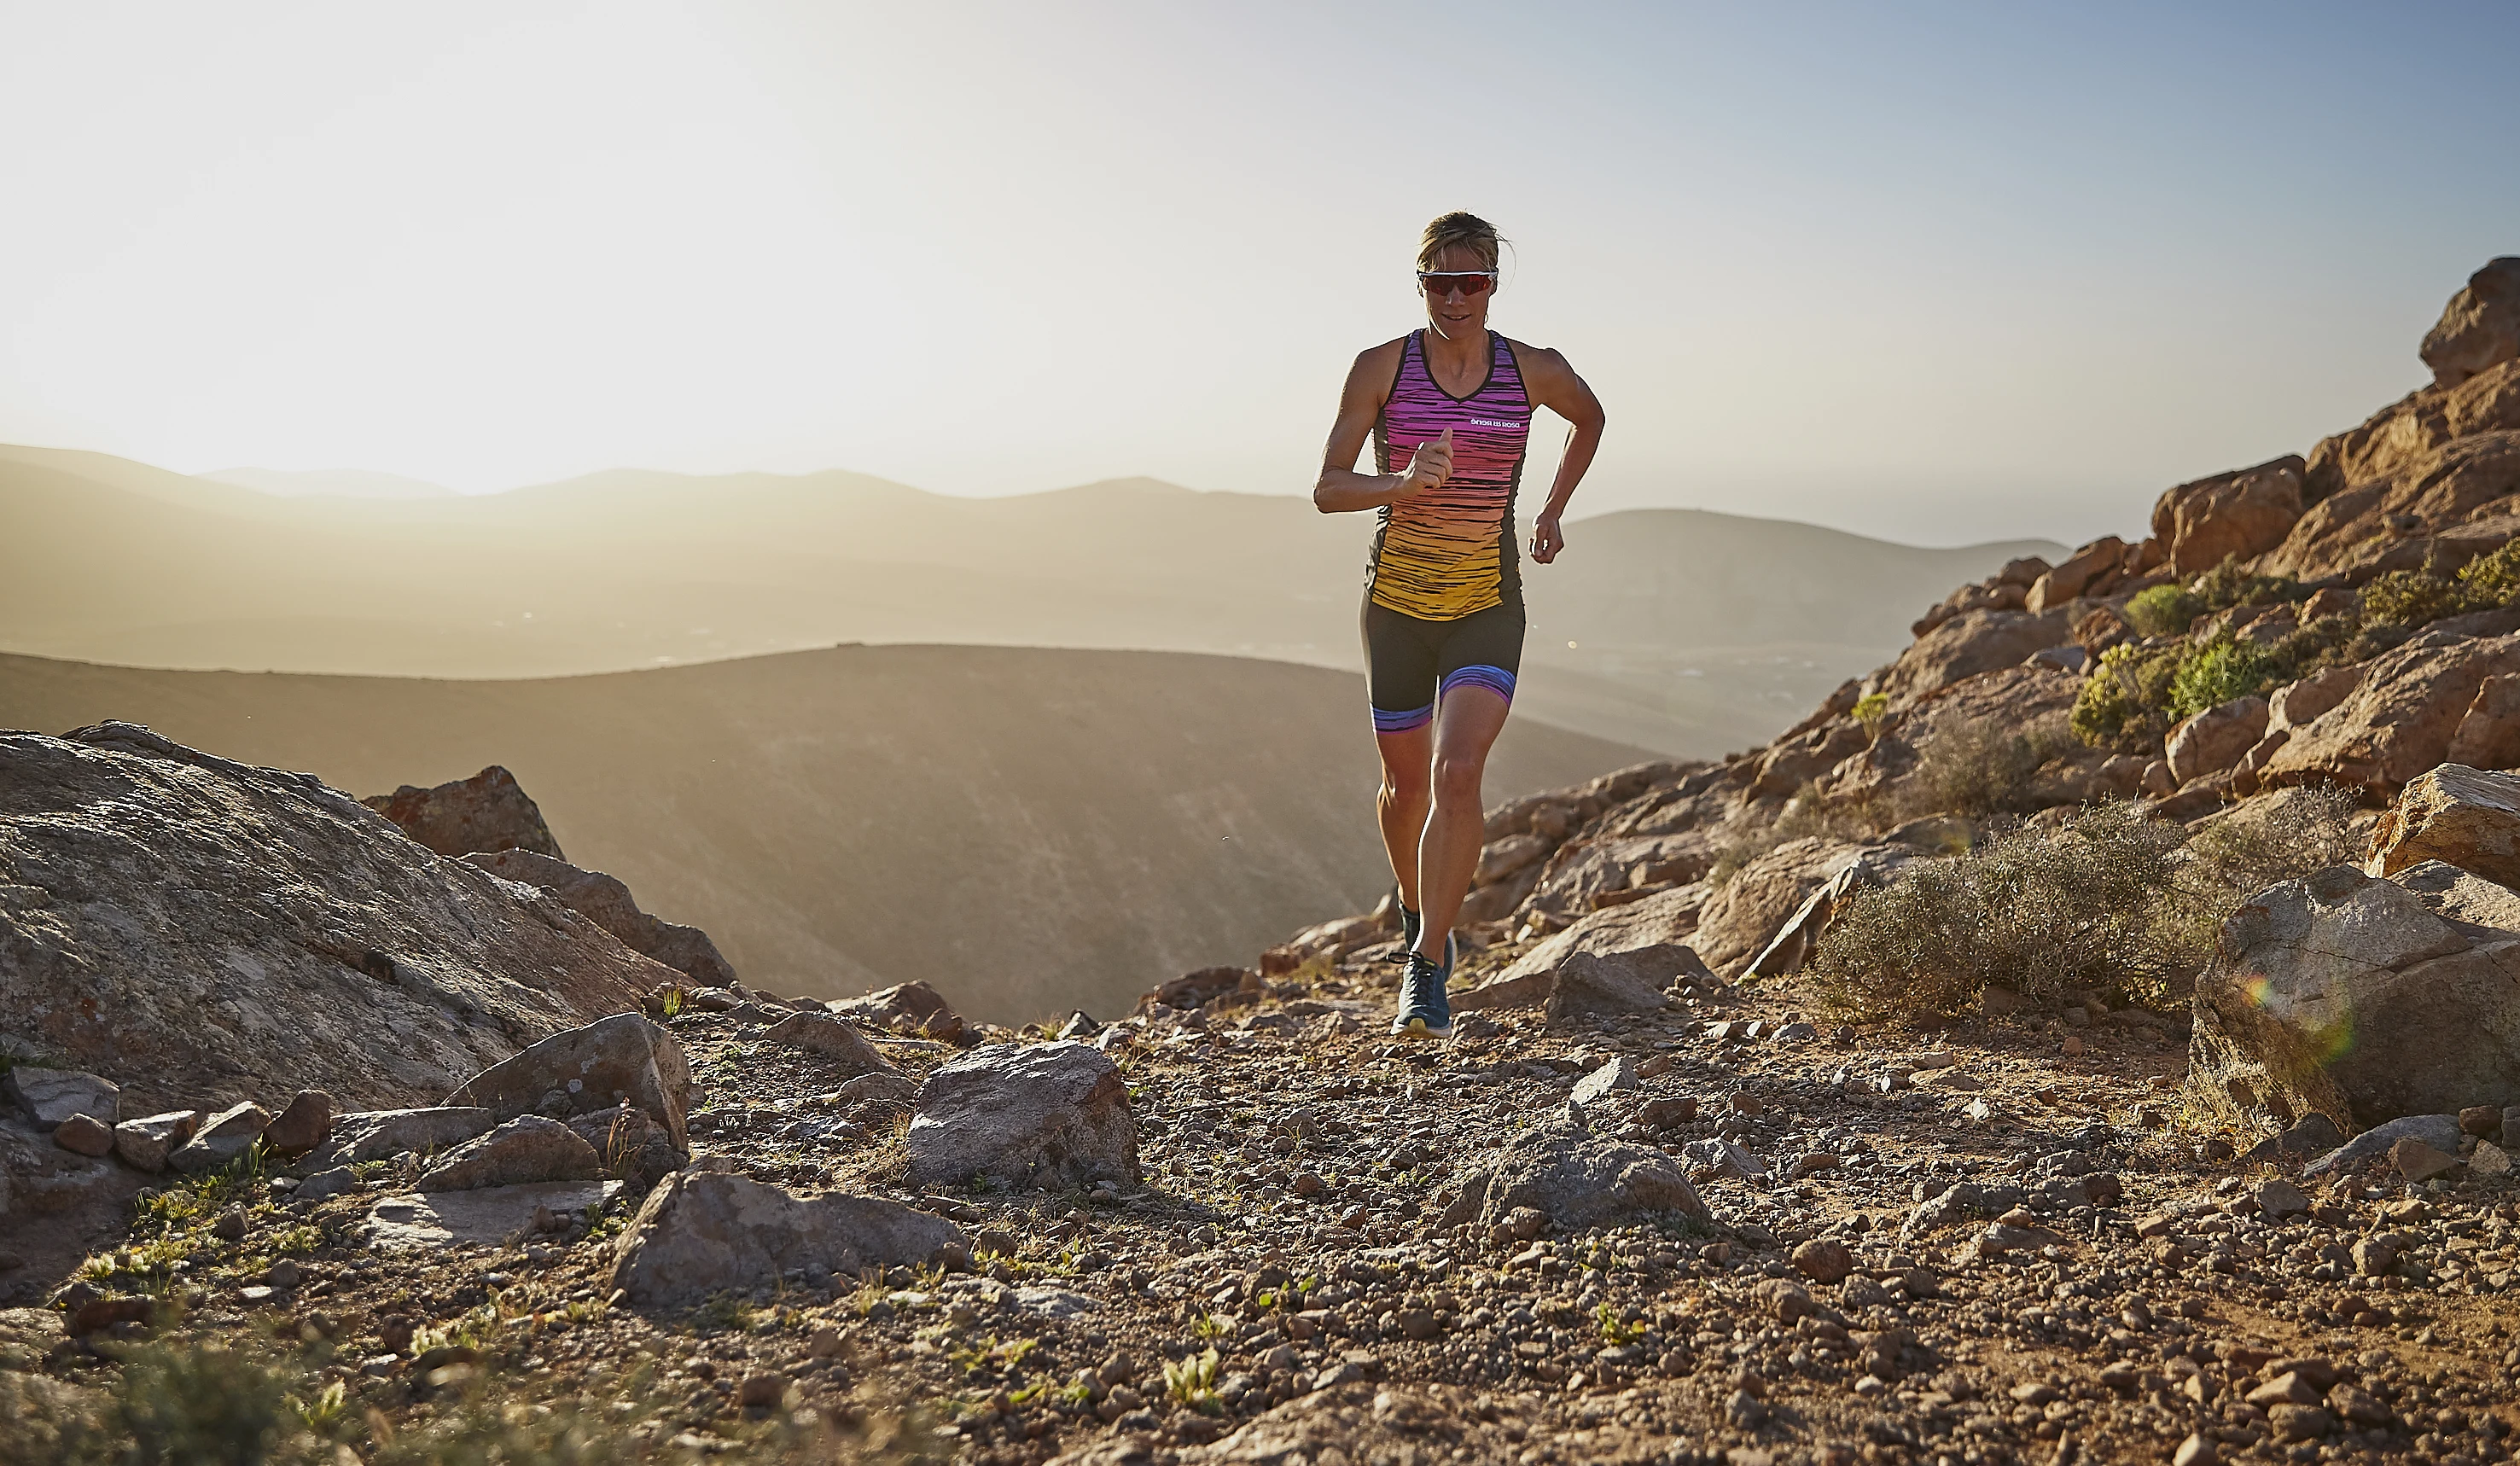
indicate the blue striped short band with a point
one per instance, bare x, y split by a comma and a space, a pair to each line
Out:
1393, 723
1496, 680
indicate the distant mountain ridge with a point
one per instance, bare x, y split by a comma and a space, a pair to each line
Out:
1693, 632
332, 483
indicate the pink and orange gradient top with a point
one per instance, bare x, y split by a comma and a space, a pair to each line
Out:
1448, 551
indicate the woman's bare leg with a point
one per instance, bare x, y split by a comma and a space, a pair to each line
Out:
1466, 725
1401, 804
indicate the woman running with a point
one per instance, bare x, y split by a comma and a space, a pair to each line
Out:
1448, 409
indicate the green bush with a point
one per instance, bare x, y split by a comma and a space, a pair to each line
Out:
2164, 611
2108, 901
2493, 580
2412, 598
2120, 701
2218, 671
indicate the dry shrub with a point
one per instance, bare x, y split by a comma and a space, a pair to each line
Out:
1981, 769
2108, 901
2039, 911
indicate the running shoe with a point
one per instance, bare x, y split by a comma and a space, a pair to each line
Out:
1426, 1012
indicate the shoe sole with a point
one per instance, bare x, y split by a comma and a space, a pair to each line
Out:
1420, 1028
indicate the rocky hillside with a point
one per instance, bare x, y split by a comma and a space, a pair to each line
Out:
1748, 1148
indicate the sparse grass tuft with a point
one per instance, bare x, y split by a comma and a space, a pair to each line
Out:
1981, 769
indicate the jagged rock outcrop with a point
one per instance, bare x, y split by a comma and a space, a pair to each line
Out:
204, 932
2480, 327
607, 903
488, 812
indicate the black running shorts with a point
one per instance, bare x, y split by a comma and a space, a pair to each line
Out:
1409, 662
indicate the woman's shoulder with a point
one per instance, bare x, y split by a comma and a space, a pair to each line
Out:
1387, 354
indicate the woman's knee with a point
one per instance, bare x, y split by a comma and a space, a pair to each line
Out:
1456, 778
1405, 786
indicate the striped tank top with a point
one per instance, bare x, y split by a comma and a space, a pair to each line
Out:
1448, 551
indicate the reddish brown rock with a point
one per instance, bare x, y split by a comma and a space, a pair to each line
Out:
2215, 738
2489, 735
2092, 562
1971, 643
490, 811
301, 1126
915, 1007
2480, 327
2246, 513
2398, 719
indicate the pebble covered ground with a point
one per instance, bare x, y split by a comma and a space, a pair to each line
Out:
1964, 1245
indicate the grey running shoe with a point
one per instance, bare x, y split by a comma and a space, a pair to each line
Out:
1426, 1012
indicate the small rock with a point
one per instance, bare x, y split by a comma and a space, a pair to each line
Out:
2195, 1451
2418, 1162
2299, 1422
1813, 1163
2483, 1121
526, 1149
703, 1231
1079, 1025
302, 1125
222, 1139
2279, 1199
230, 1228
1618, 1073
834, 1038
51, 1096
762, 1392
2290, 1388
2489, 1159
83, 1135
1823, 1260
2073, 1046
284, 1276
1026, 1113
145, 1143
1744, 1102
1662, 1114
325, 1184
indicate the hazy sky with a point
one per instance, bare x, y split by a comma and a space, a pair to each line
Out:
1938, 272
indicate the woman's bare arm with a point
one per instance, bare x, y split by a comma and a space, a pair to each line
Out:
1341, 489
1554, 385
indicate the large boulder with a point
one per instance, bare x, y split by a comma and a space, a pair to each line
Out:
1971, 643
222, 1139
2362, 999
2459, 815
2398, 719
526, 1149
1577, 1178
2245, 513
202, 932
607, 903
1024, 1114
2480, 327
701, 1232
490, 811
620, 1061
2213, 740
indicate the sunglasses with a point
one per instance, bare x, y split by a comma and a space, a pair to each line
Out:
1467, 282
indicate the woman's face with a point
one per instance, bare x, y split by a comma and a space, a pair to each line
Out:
1451, 307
